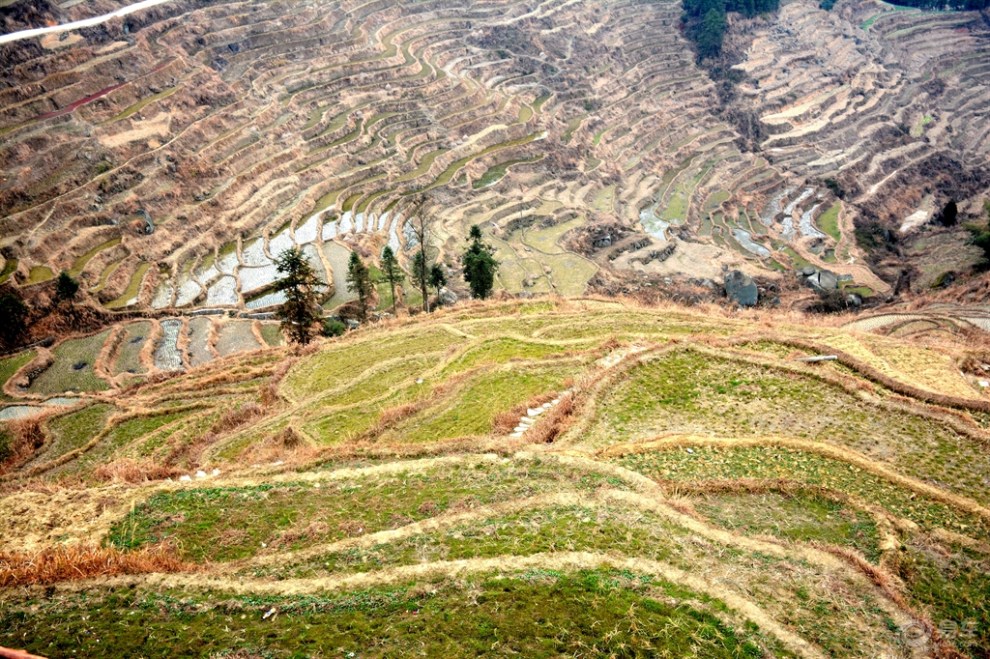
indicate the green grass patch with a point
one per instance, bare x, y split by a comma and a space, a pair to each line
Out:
9, 268
129, 354
272, 334
951, 582
540, 613
71, 431
772, 463
230, 523
501, 350
143, 103
694, 393
829, 221
72, 369
130, 294
79, 265
39, 274
10, 365
343, 362
799, 517
472, 409
118, 439
496, 172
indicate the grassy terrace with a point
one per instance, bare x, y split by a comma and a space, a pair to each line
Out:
531, 613
694, 393
694, 499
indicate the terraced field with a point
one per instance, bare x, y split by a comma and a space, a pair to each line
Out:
541, 478
231, 130
885, 102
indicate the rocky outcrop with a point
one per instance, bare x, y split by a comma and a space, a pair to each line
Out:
741, 289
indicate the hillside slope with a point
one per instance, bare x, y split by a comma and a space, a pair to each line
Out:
166, 157
537, 478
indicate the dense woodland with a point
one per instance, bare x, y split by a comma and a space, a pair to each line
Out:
705, 23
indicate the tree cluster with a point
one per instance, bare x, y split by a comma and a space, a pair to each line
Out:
705, 21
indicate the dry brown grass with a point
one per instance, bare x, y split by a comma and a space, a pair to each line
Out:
66, 563
554, 423
393, 415
129, 470
236, 418
288, 446
505, 422
26, 437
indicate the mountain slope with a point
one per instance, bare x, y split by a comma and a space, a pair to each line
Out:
537, 477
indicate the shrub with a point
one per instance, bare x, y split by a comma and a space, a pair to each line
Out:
333, 327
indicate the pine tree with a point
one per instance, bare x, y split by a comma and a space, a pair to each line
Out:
14, 313
66, 287
300, 313
391, 272
437, 279
359, 281
479, 265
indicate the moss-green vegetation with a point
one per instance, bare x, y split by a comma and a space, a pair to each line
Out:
72, 431
695, 393
538, 613
337, 365
79, 265
72, 369
130, 294
272, 334
10, 365
770, 463
119, 436
234, 522
829, 221
39, 274
131, 345
533, 531
9, 267
496, 172
952, 582
473, 408
801, 517
145, 102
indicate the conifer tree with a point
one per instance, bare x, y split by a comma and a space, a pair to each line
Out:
66, 287
391, 272
479, 265
437, 278
359, 281
300, 314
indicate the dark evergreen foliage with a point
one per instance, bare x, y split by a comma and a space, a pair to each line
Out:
66, 287
300, 313
391, 272
13, 319
359, 281
479, 265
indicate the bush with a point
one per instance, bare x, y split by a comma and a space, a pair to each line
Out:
333, 327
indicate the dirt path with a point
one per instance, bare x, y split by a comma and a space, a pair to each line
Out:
80, 24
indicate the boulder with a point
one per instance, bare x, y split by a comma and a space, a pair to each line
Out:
448, 298
741, 289
820, 280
